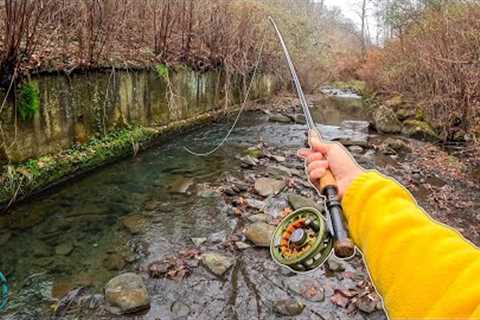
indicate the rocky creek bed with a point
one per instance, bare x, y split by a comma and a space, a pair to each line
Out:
168, 235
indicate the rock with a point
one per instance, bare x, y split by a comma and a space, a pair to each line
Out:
298, 118
181, 185
242, 245
218, 264
279, 158
266, 187
275, 206
5, 235
249, 161
126, 293
397, 145
386, 120
288, 307
366, 304
279, 118
355, 149
335, 265
419, 130
114, 262
198, 241
350, 133
254, 152
229, 191
135, 224
41, 249
299, 202
259, 218
406, 113
218, 237
64, 249
179, 310
394, 102
256, 204
307, 287
259, 233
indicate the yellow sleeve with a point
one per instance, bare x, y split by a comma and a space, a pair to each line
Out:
421, 268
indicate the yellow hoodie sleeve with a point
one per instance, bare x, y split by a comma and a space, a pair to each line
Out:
421, 268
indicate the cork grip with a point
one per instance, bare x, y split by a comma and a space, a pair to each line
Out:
328, 180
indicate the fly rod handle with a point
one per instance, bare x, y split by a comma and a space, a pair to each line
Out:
343, 246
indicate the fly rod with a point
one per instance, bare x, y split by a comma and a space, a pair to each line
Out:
327, 185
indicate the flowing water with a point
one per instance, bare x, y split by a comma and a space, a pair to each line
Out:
77, 236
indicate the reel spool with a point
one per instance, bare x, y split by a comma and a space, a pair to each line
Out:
301, 242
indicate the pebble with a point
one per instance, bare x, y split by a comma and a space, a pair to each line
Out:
335, 265
266, 186
199, 241
259, 233
288, 307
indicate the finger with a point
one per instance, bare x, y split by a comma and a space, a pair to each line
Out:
322, 164
318, 145
314, 156
317, 174
304, 153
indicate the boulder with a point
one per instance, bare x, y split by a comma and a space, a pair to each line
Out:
396, 145
126, 294
267, 187
298, 118
419, 130
216, 263
350, 133
406, 113
394, 102
259, 233
386, 120
277, 117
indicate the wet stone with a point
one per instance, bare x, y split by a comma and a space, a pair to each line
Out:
217, 263
274, 206
179, 310
114, 262
218, 237
366, 304
298, 202
199, 241
355, 149
248, 162
279, 118
256, 204
259, 218
335, 265
181, 185
5, 235
259, 233
41, 249
288, 307
135, 224
64, 249
242, 245
308, 288
126, 294
266, 186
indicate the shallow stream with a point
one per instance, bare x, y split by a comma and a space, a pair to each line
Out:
126, 215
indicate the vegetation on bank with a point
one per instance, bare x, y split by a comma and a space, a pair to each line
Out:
21, 180
430, 65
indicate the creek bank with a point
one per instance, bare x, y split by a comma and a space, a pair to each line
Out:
20, 181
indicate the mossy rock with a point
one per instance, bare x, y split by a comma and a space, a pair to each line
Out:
395, 102
406, 113
419, 130
386, 120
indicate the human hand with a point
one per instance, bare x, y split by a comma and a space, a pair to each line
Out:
328, 155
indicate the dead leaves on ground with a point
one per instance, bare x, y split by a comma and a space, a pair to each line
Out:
175, 267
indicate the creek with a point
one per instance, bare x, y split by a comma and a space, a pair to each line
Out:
127, 215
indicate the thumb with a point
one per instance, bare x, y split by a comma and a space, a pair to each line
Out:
317, 144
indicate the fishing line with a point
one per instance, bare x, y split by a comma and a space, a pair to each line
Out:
242, 108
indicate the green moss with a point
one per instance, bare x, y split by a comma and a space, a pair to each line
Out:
162, 71
28, 103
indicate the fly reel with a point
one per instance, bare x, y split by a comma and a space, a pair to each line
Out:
301, 241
